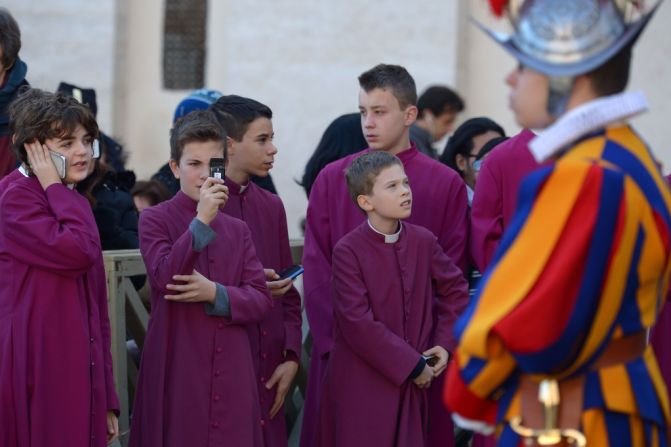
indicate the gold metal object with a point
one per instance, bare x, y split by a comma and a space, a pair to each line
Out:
550, 434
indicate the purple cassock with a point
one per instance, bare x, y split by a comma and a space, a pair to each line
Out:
197, 383
387, 294
439, 204
495, 196
8, 179
56, 383
278, 336
660, 337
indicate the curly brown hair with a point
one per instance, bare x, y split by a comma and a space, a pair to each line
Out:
40, 115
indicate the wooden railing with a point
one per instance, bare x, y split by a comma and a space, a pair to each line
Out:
128, 320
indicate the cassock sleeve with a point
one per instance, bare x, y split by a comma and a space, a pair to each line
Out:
453, 234
486, 217
162, 256
550, 299
451, 291
291, 301
382, 349
250, 299
317, 264
53, 234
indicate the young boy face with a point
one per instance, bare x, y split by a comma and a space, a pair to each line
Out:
194, 166
255, 153
77, 151
528, 97
384, 124
391, 197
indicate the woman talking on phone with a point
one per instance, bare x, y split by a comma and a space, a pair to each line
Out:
56, 384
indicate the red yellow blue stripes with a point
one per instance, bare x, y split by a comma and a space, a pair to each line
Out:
585, 260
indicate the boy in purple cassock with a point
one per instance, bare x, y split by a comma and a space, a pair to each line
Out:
387, 105
386, 274
197, 384
496, 194
275, 340
56, 383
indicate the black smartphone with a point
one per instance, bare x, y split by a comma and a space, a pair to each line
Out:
217, 168
291, 272
431, 360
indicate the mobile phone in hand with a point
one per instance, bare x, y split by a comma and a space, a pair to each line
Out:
431, 360
60, 162
217, 168
291, 272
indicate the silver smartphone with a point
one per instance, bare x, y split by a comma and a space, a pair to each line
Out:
60, 162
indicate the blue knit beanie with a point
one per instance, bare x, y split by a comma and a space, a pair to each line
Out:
197, 100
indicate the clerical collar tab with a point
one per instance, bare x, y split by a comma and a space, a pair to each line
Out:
388, 238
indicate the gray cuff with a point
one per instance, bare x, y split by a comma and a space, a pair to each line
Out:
221, 306
202, 234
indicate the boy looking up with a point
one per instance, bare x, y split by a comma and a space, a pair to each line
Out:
385, 276
387, 105
275, 340
197, 384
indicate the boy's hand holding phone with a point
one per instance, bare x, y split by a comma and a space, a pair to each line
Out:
41, 164
442, 356
425, 378
276, 285
213, 195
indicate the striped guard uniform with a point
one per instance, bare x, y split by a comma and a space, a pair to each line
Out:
585, 261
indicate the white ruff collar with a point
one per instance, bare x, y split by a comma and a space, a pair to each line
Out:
587, 118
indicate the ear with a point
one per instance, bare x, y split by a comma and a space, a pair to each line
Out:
461, 162
230, 147
410, 115
364, 202
174, 167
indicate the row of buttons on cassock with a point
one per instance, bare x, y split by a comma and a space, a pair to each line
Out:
217, 373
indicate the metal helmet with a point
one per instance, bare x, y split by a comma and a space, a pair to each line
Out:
566, 38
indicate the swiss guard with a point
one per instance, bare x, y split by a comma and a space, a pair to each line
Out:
553, 349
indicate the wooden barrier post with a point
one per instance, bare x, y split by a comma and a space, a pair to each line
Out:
120, 265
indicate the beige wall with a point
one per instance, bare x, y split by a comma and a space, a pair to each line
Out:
70, 41
299, 57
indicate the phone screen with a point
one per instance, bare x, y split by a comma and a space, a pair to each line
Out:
217, 168
291, 272
431, 360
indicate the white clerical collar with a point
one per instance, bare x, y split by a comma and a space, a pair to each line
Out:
24, 171
244, 187
587, 118
388, 238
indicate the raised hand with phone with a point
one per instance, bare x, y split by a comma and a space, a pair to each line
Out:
41, 164
213, 195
